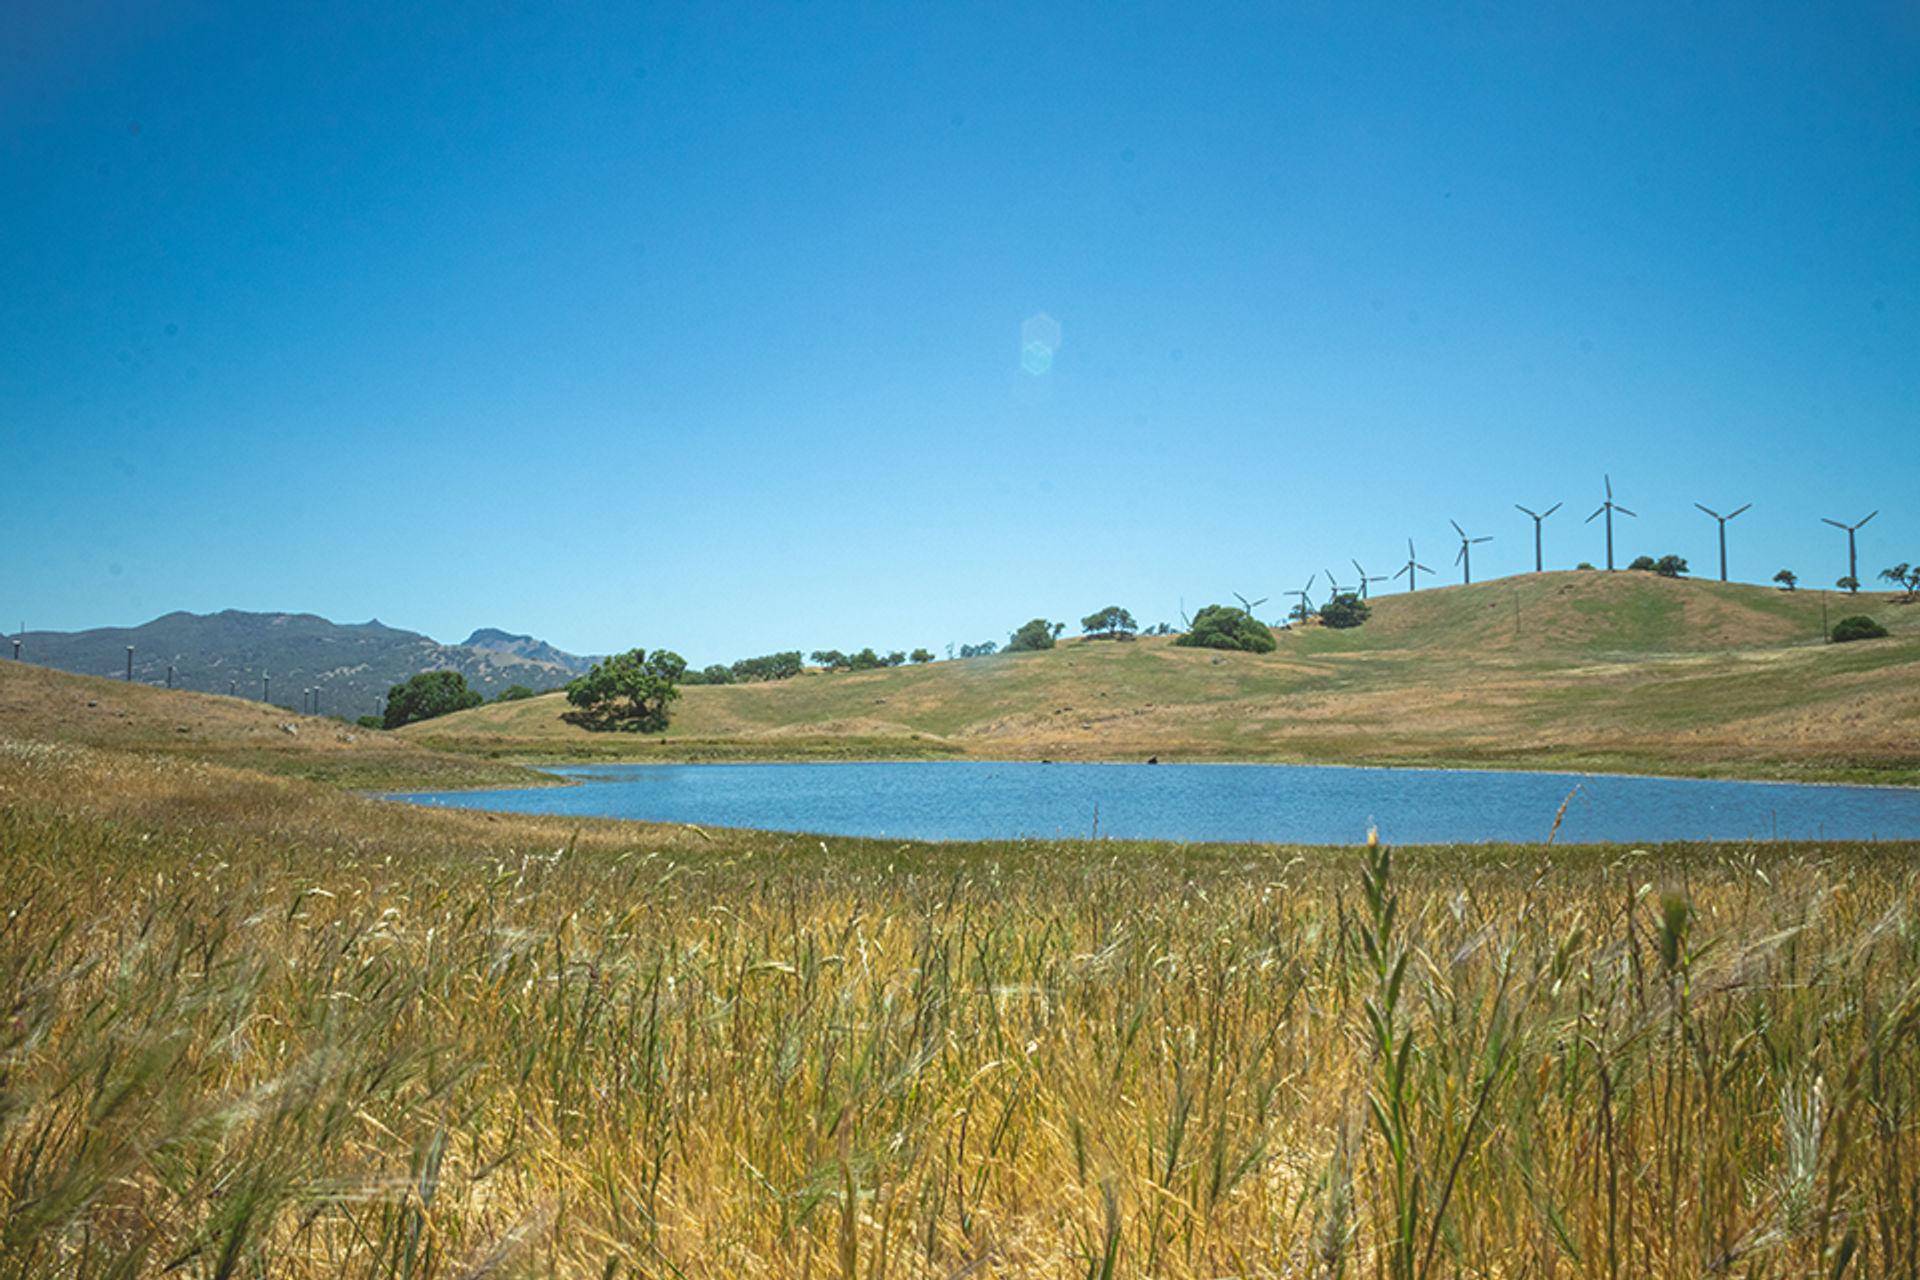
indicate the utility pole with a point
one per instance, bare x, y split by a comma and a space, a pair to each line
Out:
129, 664
169, 675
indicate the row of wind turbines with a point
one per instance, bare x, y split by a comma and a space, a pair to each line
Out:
1464, 557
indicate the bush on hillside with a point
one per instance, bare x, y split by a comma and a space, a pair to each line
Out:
1035, 634
429, 694
1786, 578
1857, 627
1671, 566
1220, 626
1345, 610
513, 693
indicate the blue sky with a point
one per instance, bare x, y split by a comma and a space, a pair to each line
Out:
701, 327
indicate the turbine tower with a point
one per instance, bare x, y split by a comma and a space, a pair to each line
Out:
1537, 518
1303, 610
1466, 549
1723, 532
1413, 563
1364, 579
1609, 506
1853, 562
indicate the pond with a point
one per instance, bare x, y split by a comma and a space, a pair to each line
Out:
1213, 802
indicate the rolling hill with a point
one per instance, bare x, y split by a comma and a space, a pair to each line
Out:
1557, 670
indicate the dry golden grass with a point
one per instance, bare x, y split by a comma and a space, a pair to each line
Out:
259, 1027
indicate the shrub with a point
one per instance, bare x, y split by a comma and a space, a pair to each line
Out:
1345, 610
1036, 634
1220, 626
1857, 627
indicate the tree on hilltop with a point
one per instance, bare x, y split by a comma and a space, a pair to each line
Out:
1786, 578
1110, 623
1037, 633
1907, 578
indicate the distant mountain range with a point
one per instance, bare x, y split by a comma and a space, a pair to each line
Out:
280, 657
494, 640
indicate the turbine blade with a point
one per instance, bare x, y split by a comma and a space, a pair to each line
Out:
1623, 511
1609, 480
1358, 569
1870, 515
1424, 569
1549, 511
1835, 523
1461, 553
1526, 510
1709, 510
1488, 538
1737, 510
1457, 529
1590, 519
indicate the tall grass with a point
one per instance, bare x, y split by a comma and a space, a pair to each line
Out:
252, 1028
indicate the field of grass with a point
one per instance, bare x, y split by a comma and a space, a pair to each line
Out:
1576, 670
259, 1026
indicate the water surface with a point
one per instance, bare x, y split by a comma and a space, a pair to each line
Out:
1215, 802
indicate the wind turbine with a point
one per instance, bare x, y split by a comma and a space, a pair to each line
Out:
1853, 563
1538, 516
1305, 610
1609, 506
1466, 549
1723, 532
1333, 588
1413, 563
1364, 579
1250, 605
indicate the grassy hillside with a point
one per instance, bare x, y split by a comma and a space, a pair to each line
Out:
1575, 669
261, 1027
55, 708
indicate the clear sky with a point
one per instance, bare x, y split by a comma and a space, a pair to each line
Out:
709, 327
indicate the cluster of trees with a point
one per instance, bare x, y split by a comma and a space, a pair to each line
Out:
429, 694
865, 660
1665, 566
1110, 623
628, 691
985, 649
1903, 575
772, 666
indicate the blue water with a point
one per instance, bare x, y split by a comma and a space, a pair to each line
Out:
1268, 803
